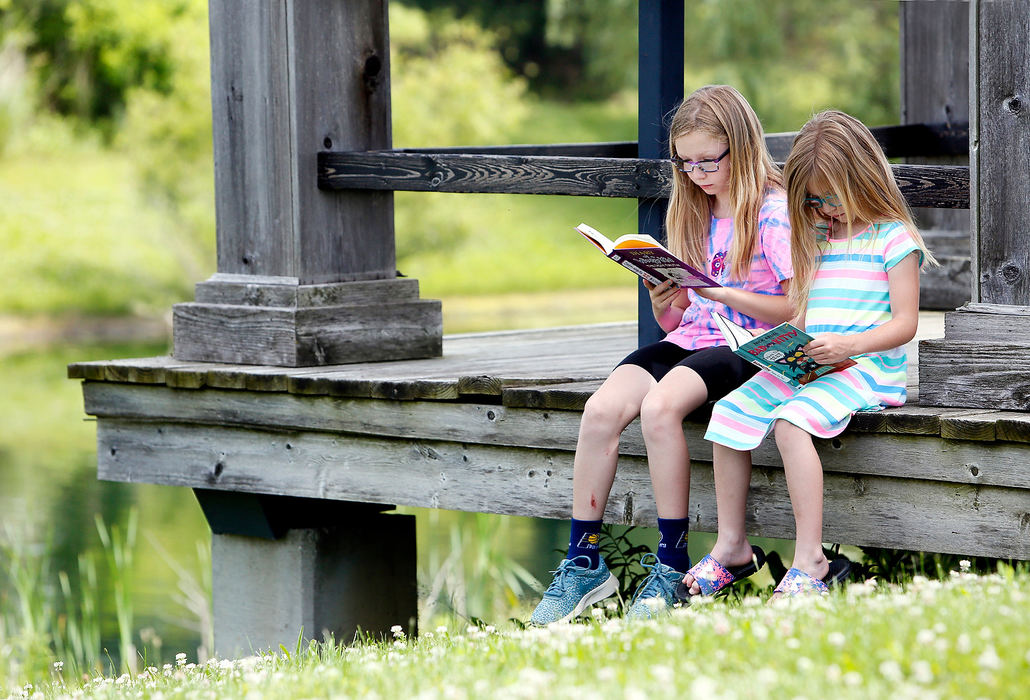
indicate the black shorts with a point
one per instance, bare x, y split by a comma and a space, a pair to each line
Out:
720, 368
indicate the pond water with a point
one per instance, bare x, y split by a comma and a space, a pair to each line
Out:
50, 499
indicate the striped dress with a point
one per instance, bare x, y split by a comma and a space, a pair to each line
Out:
849, 295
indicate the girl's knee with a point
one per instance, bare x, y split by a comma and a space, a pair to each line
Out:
601, 413
786, 433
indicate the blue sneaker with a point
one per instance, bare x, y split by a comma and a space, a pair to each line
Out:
656, 593
573, 590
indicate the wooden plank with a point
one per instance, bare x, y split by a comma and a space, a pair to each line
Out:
973, 374
945, 287
897, 455
929, 185
935, 88
981, 426
570, 396
861, 510
1014, 427
974, 322
390, 171
938, 138
999, 143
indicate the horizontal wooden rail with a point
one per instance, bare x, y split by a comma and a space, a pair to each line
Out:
923, 185
902, 141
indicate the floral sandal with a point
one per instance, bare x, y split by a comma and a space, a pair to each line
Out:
797, 582
712, 577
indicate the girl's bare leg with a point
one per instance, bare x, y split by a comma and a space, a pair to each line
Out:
605, 416
732, 478
661, 420
804, 473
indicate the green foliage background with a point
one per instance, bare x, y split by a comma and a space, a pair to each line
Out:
114, 96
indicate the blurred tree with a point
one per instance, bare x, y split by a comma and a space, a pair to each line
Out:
85, 55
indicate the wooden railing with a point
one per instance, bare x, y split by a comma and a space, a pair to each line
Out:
612, 169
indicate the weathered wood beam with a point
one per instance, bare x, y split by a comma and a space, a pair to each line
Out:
864, 507
898, 141
922, 185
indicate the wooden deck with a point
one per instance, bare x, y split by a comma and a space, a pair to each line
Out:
491, 426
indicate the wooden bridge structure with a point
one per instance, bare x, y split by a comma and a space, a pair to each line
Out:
310, 389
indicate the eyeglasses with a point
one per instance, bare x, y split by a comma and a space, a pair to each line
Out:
829, 200
706, 166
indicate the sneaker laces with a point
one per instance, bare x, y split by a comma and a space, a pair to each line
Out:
563, 571
655, 585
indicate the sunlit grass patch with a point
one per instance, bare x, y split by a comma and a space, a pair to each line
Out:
966, 636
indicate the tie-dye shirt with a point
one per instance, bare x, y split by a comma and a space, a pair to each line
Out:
770, 266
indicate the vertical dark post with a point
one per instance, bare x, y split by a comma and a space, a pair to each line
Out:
305, 277
934, 90
978, 363
660, 69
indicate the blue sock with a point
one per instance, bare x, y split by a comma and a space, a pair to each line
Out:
672, 543
584, 540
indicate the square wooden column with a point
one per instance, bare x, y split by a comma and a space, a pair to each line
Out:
305, 276
935, 90
981, 361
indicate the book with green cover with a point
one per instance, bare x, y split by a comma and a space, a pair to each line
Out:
780, 350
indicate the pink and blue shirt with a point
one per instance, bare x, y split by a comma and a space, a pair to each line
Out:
770, 266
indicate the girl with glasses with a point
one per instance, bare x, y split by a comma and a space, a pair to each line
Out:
728, 216
856, 257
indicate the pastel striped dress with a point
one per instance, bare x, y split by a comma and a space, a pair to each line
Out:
849, 295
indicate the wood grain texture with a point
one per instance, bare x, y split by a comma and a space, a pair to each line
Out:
860, 509
972, 457
931, 186
999, 141
973, 374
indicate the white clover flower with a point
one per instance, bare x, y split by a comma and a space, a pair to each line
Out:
925, 637
852, 678
922, 672
986, 633
805, 664
663, 674
833, 673
703, 686
964, 565
598, 613
760, 631
58, 666
837, 639
891, 670
989, 659
397, 631
793, 643
962, 643
180, 659
767, 676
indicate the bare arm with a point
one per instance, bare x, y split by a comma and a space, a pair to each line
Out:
903, 286
769, 308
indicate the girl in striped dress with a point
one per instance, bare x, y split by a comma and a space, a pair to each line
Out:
856, 256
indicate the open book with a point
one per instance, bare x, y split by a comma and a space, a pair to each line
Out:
779, 350
642, 254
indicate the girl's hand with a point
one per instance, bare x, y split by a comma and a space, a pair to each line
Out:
831, 348
662, 295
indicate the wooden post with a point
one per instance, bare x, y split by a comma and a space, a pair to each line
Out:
285, 567
935, 90
660, 68
981, 360
305, 276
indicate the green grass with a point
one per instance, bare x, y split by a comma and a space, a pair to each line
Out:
77, 238
965, 636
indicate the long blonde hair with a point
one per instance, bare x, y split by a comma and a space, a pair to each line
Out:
839, 151
722, 112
